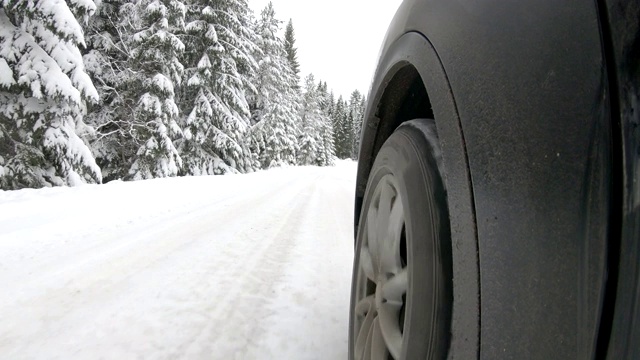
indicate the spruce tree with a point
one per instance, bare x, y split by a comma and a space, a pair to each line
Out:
155, 51
327, 127
274, 137
316, 142
215, 103
107, 61
44, 90
324, 100
311, 117
328, 154
289, 46
330, 105
343, 131
356, 110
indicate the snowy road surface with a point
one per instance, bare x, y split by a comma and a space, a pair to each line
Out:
253, 266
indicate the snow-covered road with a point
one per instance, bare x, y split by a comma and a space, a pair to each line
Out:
253, 266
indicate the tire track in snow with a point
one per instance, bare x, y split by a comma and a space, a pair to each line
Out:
246, 305
210, 281
97, 277
309, 313
105, 246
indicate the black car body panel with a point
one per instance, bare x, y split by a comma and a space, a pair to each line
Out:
520, 92
621, 25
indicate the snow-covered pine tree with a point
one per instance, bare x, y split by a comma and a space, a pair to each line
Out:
330, 105
328, 153
107, 60
311, 117
43, 93
343, 129
327, 103
327, 127
316, 140
154, 58
292, 51
242, 46
324, 101
274, 137
356, 112
215, 104
245, 50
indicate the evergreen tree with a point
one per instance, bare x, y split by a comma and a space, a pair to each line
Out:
218, 112
330, 105
316, 142
43, 94
328, 153
289, 46
107, 61
324, 100
274, 137
327, 107
357, 109
311, 117
155, 51
343, 129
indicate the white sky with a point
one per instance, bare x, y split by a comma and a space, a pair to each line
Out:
337, 40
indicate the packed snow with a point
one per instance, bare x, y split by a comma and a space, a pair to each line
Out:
253, 266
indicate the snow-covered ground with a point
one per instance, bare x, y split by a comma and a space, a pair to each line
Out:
253, 266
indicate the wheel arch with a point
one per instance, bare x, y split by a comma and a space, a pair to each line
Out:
401, 98
411, 83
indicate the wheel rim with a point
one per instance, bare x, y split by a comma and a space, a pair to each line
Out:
382, 276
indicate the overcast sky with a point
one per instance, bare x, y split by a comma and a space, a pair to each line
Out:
337, 40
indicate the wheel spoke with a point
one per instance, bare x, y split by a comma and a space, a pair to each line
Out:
397, 286
391, 261
367, 346
388, 315
366, 263
372, 239
366, 308
378, 346
382, 222
396, 220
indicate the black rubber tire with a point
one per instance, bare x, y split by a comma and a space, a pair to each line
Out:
412, 156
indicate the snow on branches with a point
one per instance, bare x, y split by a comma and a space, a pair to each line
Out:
122, 89
43, 94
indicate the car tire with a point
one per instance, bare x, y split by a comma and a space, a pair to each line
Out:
401, 295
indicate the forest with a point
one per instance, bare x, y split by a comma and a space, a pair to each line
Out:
94, 91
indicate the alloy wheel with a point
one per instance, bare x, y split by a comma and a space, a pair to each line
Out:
382, 276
